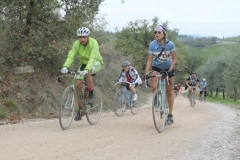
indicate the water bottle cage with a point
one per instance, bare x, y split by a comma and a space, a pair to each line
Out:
86, 92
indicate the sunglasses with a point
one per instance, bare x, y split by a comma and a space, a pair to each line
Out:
159, 32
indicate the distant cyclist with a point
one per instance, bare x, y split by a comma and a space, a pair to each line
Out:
129, 74
162, 56
87, 49
175, 90
203, 88
178, 88
175, 87
192, 81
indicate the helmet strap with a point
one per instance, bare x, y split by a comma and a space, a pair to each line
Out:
161, 39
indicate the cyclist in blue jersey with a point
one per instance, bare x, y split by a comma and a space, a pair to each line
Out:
203, 88
162, 56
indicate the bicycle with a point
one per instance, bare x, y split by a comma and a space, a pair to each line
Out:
160, 108
123, 100
192, 97
181, 91
203, 98
68, 106
175, 93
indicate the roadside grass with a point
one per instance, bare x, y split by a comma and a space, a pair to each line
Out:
229, 102
220, 100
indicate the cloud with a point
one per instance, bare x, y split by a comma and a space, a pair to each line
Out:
193, 15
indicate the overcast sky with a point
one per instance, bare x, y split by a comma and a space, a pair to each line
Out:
205, 17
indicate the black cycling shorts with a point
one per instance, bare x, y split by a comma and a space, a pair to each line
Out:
134, 87
171, 74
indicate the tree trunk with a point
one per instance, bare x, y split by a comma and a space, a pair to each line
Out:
235, 94
223, 94
211, 93
216, 92
228, 94
28, 21
27, 27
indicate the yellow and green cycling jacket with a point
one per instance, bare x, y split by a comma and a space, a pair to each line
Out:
88, 54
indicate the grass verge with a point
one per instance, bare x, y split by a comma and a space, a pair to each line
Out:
220, 100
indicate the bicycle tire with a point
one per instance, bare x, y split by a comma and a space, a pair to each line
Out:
119, 103
93, 111
67, 108
166, 111
136, 105
158, 111
192, 100
202, 98
175, 94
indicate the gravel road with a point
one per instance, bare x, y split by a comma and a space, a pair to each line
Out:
206, 132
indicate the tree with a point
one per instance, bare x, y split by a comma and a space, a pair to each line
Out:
41, 31
231, 74
134, 39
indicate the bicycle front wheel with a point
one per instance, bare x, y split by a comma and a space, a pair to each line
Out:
175, 94
191, 98
66, 108
136, 105
158, 111
93, 111
202, 98
120, 101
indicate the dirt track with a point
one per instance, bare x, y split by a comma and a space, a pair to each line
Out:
207, 131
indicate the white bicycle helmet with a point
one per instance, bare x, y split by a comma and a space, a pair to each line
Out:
125, 63
83, 31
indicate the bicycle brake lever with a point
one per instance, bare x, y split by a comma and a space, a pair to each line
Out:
145, 83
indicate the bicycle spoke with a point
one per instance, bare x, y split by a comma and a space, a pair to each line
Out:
136, 105
67, 108
93, 111
158, 111
120, 101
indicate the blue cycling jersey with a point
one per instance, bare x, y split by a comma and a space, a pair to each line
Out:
161, 60
203, 85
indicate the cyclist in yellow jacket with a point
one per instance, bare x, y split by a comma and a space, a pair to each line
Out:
87, 49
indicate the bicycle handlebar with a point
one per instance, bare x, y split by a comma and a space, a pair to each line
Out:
69, 73
123, 82
161, 73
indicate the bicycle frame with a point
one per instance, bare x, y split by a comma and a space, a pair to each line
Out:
125, 93
74, 75
161, 83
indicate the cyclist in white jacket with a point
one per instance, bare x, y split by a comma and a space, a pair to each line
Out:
129, 74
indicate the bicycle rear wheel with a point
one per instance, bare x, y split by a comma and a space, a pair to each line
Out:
93, 111
67, 108
120, 101
158, 111
136, 105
